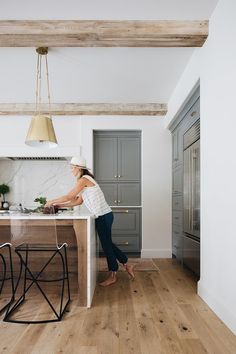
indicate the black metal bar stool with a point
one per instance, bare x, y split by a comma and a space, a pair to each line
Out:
6, 261
31, 235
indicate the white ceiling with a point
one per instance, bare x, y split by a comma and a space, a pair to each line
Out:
98, 74
107, 9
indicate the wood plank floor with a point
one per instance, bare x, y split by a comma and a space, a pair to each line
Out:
158, 312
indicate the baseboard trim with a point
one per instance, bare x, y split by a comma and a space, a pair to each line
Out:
156, 253
224, 313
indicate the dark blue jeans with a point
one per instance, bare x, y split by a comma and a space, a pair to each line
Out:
112, 252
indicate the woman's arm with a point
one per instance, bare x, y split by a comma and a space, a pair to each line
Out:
76, 201
71, 196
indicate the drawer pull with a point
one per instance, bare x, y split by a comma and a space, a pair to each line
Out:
125, 243
176, 217
121, 211
193, 113
177, 233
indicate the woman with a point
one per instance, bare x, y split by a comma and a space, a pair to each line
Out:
88, 191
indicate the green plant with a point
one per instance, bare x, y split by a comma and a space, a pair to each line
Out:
4, 189
41, 200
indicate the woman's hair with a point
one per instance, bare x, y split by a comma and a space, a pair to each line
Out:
84, 171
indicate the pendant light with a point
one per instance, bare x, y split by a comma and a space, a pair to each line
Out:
41, 132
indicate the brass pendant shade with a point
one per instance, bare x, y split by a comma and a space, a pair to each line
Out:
41, 131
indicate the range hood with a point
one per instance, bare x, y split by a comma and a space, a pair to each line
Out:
38, 158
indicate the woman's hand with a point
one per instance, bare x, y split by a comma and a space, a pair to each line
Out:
48, 204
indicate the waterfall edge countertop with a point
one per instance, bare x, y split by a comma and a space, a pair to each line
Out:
63, 215
82, 226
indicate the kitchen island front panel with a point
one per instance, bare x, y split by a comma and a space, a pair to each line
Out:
79, 232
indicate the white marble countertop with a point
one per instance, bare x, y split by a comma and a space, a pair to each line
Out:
64, 215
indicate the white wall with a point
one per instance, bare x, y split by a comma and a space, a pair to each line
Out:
215, 65
73, 132
14, 130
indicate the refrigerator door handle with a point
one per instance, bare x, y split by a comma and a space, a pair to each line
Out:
190, 190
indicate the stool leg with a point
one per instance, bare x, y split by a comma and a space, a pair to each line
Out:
26, 265
4, 272
11, 270
7, 278
67, 273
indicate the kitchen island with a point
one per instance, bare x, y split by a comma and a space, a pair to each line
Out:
78, 230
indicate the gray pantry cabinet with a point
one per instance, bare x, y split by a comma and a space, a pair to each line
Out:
189, 115
117, 168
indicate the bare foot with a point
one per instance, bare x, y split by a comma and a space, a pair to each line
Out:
110, 280
129, 269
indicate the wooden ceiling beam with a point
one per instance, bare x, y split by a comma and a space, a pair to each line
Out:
89, 109
97, 33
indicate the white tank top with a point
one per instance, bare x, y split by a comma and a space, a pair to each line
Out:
94, 199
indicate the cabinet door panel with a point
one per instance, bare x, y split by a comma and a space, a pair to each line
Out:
129, 159
177, 238
177, 202
191, 254
177, 249
191, 117
127, 244
178, 180
105, 153
126, 222
177, 217
129, 194
110, 192
177, 147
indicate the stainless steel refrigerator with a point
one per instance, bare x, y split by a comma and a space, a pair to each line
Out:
191, 237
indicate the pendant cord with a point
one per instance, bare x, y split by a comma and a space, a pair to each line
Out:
49, 97
40, 82
39, 85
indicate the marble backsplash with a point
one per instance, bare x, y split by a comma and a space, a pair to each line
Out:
31, 179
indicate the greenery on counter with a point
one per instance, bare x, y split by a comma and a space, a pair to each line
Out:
41, 200
4, 189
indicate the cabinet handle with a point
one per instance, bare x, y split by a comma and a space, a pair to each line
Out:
115, 176
193, 113
125, 243
122, 211
115, 201
176, 217
118, 201
119, 176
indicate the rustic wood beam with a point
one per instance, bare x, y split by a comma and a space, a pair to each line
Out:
94, 33
89, 109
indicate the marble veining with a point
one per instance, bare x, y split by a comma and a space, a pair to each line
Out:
31, 179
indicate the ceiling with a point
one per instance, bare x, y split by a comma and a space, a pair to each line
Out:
99, 74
